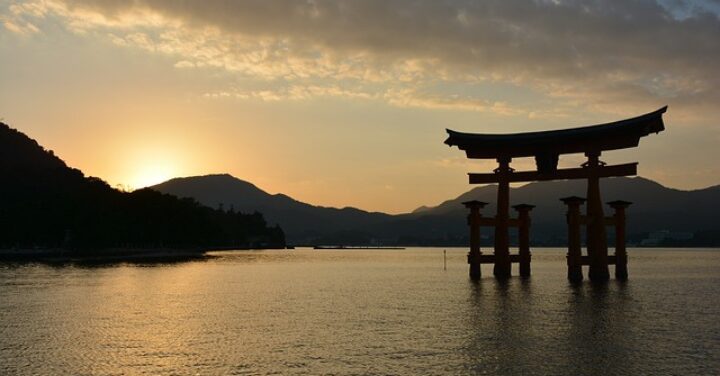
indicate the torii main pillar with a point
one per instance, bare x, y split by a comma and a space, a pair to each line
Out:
503, 267
596, 234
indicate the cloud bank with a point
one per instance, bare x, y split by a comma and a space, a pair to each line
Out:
611, 56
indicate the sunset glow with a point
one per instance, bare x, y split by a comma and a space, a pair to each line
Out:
337, 110
151, 175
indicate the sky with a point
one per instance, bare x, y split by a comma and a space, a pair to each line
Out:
345, 103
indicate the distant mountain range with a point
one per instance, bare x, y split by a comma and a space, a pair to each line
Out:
46, 204
303, 223
659, 215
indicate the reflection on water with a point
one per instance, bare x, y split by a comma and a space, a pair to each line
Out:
360, 312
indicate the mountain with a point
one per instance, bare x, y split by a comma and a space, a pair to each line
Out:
46, 204
655, 208
302, 223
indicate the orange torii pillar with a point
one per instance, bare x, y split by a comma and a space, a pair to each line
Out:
595, 221
524, 237
574, 254
474, 222
621, 272
502, 268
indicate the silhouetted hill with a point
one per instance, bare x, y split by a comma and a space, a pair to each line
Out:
302, 223
655, 208
44, 203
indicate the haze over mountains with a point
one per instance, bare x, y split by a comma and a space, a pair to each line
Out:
655, 208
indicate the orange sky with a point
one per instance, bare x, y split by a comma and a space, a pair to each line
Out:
346, 103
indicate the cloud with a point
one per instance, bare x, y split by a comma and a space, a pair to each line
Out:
413, 98
22, 29
610, 56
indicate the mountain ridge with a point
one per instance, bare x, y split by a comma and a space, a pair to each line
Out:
656, 208
299, 220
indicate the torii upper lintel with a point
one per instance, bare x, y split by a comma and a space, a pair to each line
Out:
547, 146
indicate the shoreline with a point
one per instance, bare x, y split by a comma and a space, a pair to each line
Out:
160, 255
59, 255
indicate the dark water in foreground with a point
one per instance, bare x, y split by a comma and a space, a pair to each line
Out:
360, 312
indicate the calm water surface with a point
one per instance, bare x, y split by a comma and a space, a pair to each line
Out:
360, 312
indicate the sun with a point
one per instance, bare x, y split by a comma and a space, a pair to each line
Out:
151, 163
152, 174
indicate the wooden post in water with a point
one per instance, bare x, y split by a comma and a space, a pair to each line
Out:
474, 222
574, 255
502, 267
524, 237
621, 272
596, 235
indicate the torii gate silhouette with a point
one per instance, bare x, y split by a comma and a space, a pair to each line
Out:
546, 147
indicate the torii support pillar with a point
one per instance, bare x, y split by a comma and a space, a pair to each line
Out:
502, 267
524, 237
474, 223
574, 255
596, 235
621, 272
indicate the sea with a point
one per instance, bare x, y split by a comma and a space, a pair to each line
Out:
360, 312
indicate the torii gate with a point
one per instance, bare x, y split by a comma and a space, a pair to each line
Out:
546, 147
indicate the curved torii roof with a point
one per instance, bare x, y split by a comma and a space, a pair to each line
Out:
595, 138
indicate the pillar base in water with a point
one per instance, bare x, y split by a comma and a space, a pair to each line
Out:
599, 274
621, 272
474, 262
525, 269
575, 274
502, 270
475, 272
